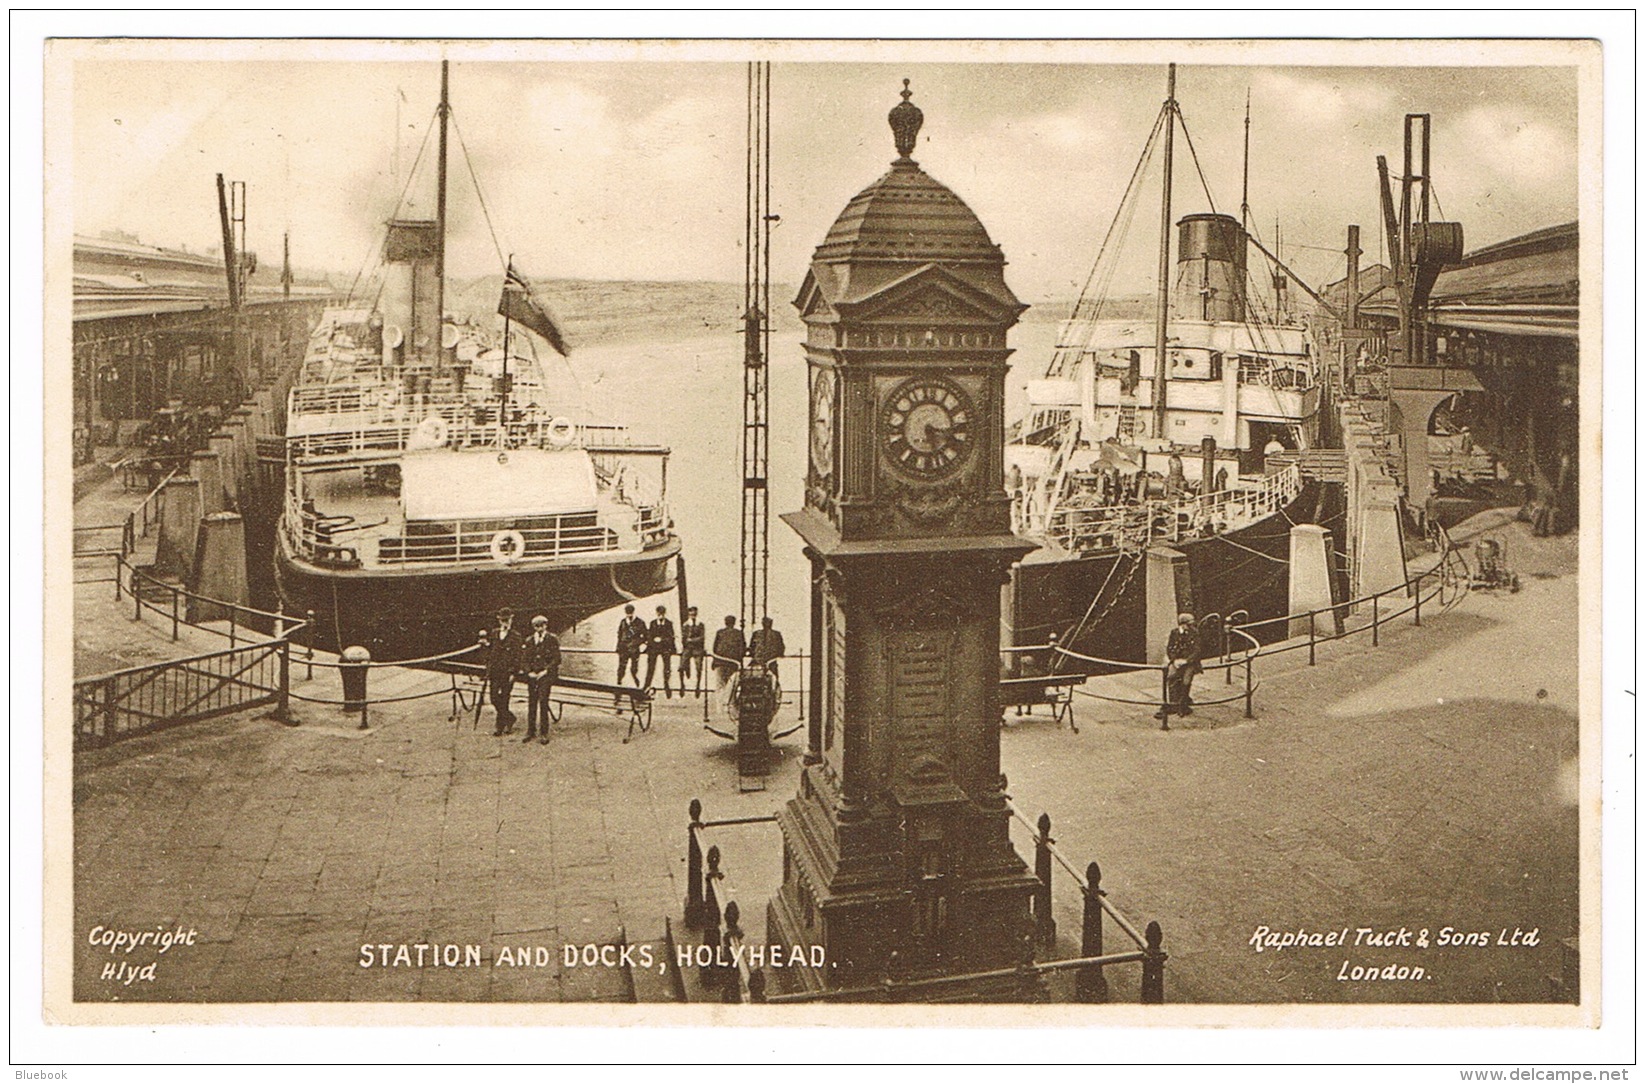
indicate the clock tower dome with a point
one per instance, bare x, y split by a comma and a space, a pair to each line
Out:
897, 857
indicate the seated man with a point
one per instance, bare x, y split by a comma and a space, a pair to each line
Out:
1182, 663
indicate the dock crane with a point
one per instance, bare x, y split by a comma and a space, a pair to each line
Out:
754, 699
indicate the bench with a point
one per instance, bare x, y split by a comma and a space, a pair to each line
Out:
468, 693
1053, 690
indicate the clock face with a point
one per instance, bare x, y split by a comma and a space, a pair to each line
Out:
822, 423
927, 426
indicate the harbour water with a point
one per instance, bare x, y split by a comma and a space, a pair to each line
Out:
685, 389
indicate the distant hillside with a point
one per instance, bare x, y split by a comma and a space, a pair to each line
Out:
592, 311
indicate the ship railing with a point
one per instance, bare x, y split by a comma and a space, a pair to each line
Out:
1078, 528
254, 670
382, 431
463, 541
326, 540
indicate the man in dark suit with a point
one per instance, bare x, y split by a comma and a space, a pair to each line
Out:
540, 662
659, 644
729, 649
630, 641
693, 646
766, 646
502, 660
1182, 663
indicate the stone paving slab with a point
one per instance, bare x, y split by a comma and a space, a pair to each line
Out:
1424, 783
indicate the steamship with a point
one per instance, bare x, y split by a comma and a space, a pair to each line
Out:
1162, 433
434, 472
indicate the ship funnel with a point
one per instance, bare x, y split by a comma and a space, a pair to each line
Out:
1210, 279
410, 288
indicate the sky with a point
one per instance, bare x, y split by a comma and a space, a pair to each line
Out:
634, 170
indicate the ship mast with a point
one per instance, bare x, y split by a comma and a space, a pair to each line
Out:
1245, 169
1164, 285
440, 226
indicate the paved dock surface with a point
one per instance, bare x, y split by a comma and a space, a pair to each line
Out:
1426, 783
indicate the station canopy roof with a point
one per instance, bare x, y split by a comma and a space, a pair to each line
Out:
1528, 285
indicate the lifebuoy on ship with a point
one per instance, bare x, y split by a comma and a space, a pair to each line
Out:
431, 432
561, 432
507, 547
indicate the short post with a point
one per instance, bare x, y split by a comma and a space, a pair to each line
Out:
136, 596
108, 711
174, 622
1153, 967
1248, 713
308, 626
711, 917
1091, 983
733, 992
1419, 602
233, 627
694, 867
1310, 637
282, 706
1045, 926
756, 987
354, 664
119, 563
1165, 697
1376, 637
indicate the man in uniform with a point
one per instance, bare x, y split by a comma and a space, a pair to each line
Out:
540, 662
501, 660
630, 640
1182, 655
693, 646
659, 644
729, 649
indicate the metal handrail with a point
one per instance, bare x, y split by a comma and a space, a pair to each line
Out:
282, 624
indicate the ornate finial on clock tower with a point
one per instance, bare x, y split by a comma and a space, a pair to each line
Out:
905, 119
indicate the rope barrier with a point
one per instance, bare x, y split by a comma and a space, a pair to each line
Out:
375, 663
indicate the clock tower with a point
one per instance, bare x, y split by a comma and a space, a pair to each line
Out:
897, 858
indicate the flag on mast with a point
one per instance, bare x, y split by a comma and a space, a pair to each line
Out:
520, 304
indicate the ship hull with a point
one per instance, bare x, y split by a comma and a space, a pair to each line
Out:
405, 614
1240, 570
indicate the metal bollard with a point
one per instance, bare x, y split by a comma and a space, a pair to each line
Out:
694, 868
1248, 712
1045, 926
308, 627
1310, 637
1375, 620
1153, 967
354, 664
1091, 983
174, 620
731, 993
1165, 697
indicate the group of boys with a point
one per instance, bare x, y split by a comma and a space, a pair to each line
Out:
532, 657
